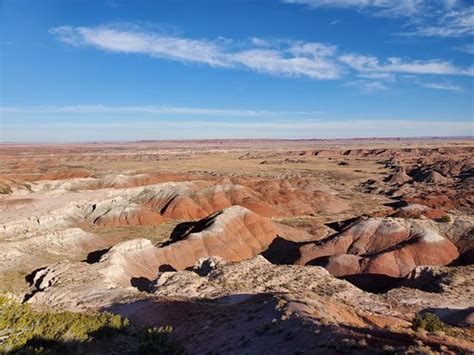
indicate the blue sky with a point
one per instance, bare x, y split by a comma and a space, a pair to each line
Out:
130, 70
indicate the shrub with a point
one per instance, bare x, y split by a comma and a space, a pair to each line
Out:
20, 325
446, 219
429, 322
156, 341
5, 189
27, 331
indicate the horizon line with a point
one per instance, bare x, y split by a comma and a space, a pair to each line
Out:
203, 140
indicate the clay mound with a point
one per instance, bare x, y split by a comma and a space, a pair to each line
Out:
442, 200
298, 196
234, 234
449, 166
119, 212
399, 177
194, 200
387, 246
135, 258
121, 181
200, 203
60, 174
432, 177
156, 204
278, 198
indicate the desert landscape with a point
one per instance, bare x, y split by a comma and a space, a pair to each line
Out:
243, 246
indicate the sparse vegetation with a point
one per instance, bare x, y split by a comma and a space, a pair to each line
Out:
446, 219
24, 330
157, 234
21, 326
429, 322
5, 189
156, 341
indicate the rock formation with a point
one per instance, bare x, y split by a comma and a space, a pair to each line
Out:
387, 246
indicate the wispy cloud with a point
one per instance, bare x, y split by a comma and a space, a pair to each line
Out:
440, 86
272, 61
454, 23
441, 18
286, 58
368, 86
150, 109
370, 64
133, 41
380, 7
315, 62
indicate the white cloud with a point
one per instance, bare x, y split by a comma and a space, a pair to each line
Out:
260, 42
298, 60
368, 85
287, 58
314, 50
130, 41
454, 23
440, 86
370, 64
273, 62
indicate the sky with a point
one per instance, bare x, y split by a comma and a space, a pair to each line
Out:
74, 71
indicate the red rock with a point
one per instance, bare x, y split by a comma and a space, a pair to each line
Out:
387, 246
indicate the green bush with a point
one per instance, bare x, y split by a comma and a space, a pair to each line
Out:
27, 331
156, 341
429, 322
24, 330
19, 325
446, 219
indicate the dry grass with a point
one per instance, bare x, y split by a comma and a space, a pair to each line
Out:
157, 234
13, 282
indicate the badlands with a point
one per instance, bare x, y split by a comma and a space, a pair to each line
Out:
247, 246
